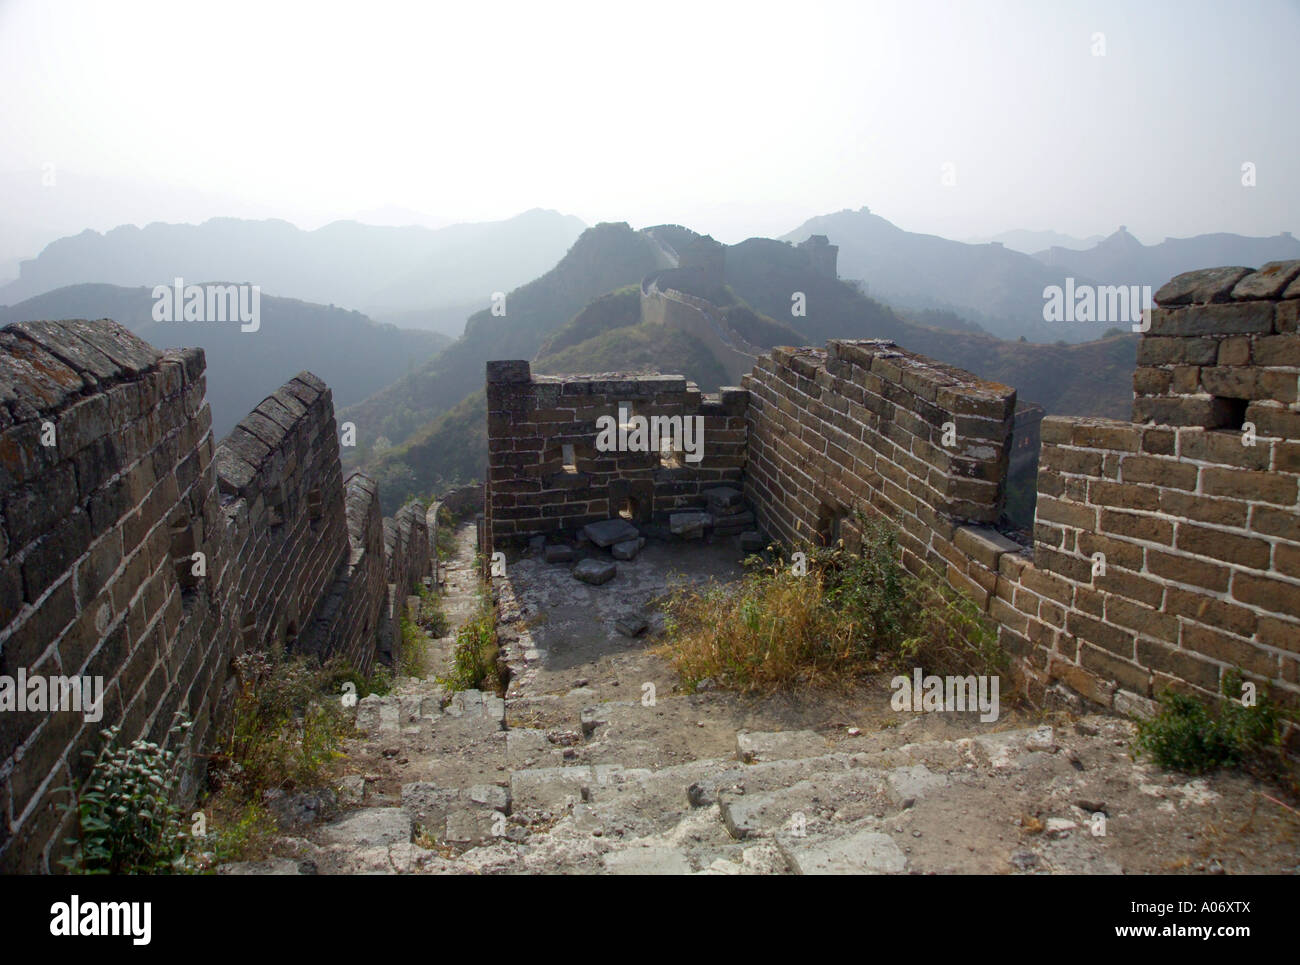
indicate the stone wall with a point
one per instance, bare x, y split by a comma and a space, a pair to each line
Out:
534, 420
135, 550
282, 494
1166, 550
94, 527
864, 423
663, 305
353, 611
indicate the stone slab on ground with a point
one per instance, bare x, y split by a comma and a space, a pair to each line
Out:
605, 534
864, 853
648, 861
271, 866
369, 827
628, 549
689, 525
558, 553
595, 572
548, 788
631, 624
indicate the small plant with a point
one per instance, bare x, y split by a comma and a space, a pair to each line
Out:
242, 831
839, 616
476, 659
1189, 734
287, 727
380, 681
432, 617
286, 731
445, 542
411, 658
127, 816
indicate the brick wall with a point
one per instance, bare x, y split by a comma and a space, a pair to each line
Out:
1166, 551
282, 488
94, 527
531, 419
350, 616
98, 533
1197, 519
1198, 531
863, 424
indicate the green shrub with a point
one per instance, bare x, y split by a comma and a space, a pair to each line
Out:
241, 831
411, 657
445, 541
128, 820
476, 659
287, 726
1189, 734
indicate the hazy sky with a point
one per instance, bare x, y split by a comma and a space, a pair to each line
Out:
736, 119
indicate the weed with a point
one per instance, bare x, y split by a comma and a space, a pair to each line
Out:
287, 726
1192, 735
476, 660
411, 658
431, 616
128, 820
844, 616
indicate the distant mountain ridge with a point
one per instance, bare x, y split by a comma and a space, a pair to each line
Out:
997, 287
586, 316
354, 355
1120, 255
1030, 242
1001, 289
363, 267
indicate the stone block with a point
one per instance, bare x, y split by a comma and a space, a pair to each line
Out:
595, 572
608, 532
1202, 285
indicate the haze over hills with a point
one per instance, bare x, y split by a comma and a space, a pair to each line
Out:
432, 439
1122, 256
353, 354
604, 258
1032, 242
997, 287
418, 409
1002, 289
370, 268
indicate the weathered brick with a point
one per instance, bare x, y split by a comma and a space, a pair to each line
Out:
1242, 484
1220, 545
1155, 471
1267, 593
1150, 529
1186, 569
1183, 664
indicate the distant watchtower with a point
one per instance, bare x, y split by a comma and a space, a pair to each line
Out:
822, 255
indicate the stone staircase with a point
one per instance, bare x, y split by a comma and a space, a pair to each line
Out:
580, 779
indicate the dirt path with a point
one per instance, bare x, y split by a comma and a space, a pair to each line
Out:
595, 762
